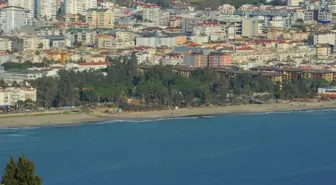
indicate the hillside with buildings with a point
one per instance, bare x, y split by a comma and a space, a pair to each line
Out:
286, 44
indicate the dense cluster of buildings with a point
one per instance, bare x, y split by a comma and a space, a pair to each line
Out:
288, 42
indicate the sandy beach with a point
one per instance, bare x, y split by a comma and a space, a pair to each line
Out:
28, 120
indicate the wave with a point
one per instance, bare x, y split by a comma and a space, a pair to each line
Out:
143, 120
112, 121
14, 135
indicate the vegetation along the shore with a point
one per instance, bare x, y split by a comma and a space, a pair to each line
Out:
159, 86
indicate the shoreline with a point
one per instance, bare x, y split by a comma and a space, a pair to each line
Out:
14, 121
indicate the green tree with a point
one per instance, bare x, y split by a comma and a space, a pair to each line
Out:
3, 84
40, 46
21, 172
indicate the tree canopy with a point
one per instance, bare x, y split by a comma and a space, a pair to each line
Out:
20, 172
162, 86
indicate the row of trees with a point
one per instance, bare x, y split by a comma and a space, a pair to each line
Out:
160, 86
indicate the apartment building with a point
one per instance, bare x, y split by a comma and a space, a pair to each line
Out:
324, 16
195, 59
80, 35
189, 23
155, 41
114, 44
124, 36
5, 57
151, 12
102, 38
79, 6
250, 27
232, 24
28, 5
323, 50
209, 28
10, 96
325, 37
292, 74
219, 59
46, 9
50, 31
227, 9
100, 18
20, 76
309, 15
12, 18
175, 21
275, 34
5, 44
31, 43
294, 2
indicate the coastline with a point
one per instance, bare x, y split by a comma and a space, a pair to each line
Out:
14, 121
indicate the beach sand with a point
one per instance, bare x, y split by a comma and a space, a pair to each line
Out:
75, 118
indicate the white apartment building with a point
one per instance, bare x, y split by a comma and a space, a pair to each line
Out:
227, 9
294, 2
4, 96
12, 18
324, 38
124, 36
47, 9
155, 41
33, 43
209, 29
250, 27
26, 4
79, 6
332, 7
10, 96
151, 12
233, 25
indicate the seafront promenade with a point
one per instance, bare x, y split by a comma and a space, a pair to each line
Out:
27, 120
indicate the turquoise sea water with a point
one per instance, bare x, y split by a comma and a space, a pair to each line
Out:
290, 148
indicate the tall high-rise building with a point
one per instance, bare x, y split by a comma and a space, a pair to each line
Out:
26, 4
46, 9
79, 6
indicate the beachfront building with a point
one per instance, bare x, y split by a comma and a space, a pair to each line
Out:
10, 96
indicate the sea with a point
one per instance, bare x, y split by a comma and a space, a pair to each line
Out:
284, 148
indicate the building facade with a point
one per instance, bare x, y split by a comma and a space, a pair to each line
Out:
12, 18
46, 9
25, 4
100, 18
79, 6
10, 96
